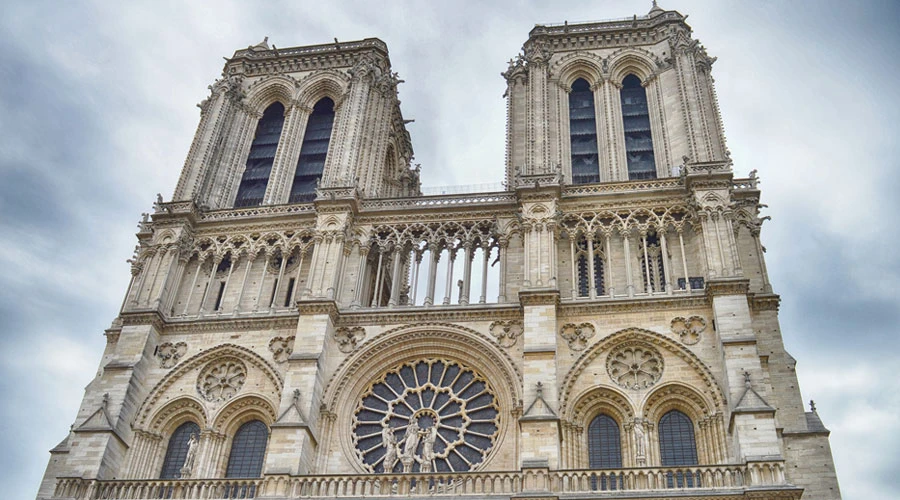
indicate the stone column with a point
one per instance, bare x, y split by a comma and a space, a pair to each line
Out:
503, 245
434, 252
467, 273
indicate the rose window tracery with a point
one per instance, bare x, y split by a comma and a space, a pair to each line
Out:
423, 416
634, 366
221, 380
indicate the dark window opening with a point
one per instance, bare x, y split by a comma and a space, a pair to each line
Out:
177, 450
677, 446
262, 155
313, 152
290, 292
583, 134
697, 283
220, 295
248, 449
604, 443
274, 291
638, 139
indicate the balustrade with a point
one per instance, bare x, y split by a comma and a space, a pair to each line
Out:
603, 482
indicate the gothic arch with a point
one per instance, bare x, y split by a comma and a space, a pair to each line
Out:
176, 412
676, 396
631, 60
713, 391
195, 363
241, 410
263, 93
604, 399
326, 83
578, 65
414, 342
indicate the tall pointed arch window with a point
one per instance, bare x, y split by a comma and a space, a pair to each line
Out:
677, 445
638, 140
176, 452
262, 155
583, 134
313, 152
248, 450
604, 443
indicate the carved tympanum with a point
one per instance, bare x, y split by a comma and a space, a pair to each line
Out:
507, 332
169, 353
634, 365
689, 329
429, 415
281, 348
348, 338
221, 379
577, 335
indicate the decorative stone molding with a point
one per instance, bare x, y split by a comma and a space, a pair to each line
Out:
726, 286
281, 348
539, 297
578, 335
689, 329
634, 365
169, 353
221, 380
316, 307
507, 332
349, 338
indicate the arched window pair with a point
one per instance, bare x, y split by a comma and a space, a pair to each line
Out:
677, 446
583, 132
248, 450
262, 154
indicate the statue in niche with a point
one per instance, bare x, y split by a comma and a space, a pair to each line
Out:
188, 466
639, 441
425, 462
391, 446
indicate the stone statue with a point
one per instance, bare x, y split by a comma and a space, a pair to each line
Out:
425, 462
410, 443
188, 466
639, 439
389, 441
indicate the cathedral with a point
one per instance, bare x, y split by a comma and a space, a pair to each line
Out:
304, 321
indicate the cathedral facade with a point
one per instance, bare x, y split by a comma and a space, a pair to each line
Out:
303, 322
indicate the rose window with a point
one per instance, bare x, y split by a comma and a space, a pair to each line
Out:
634, 366
221, 380
426, 416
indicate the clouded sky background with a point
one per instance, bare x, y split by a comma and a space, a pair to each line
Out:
97, 111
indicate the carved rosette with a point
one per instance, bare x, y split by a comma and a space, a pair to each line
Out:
429, 415
634, 365
507, 332
281, 348
169, 353
222, 379
577, 336
348, 338
689, 329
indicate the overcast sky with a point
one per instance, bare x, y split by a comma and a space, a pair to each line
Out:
97, 111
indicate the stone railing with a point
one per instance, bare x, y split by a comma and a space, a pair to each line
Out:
258, 211
695, 478
439, 201
623, 187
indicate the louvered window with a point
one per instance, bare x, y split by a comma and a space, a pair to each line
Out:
248, 449
262, 155
583, 134
313, 152
638, 140
604, 443
177, 450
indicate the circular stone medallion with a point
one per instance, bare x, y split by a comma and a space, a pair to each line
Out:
221, 379
634, 366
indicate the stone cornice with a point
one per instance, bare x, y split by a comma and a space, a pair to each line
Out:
764, 302
256, 60
539, 297
727, 286
284, 320
625, 305
311, 307
143, 317
401, 315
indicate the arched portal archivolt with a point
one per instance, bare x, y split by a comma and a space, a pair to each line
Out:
426, 341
